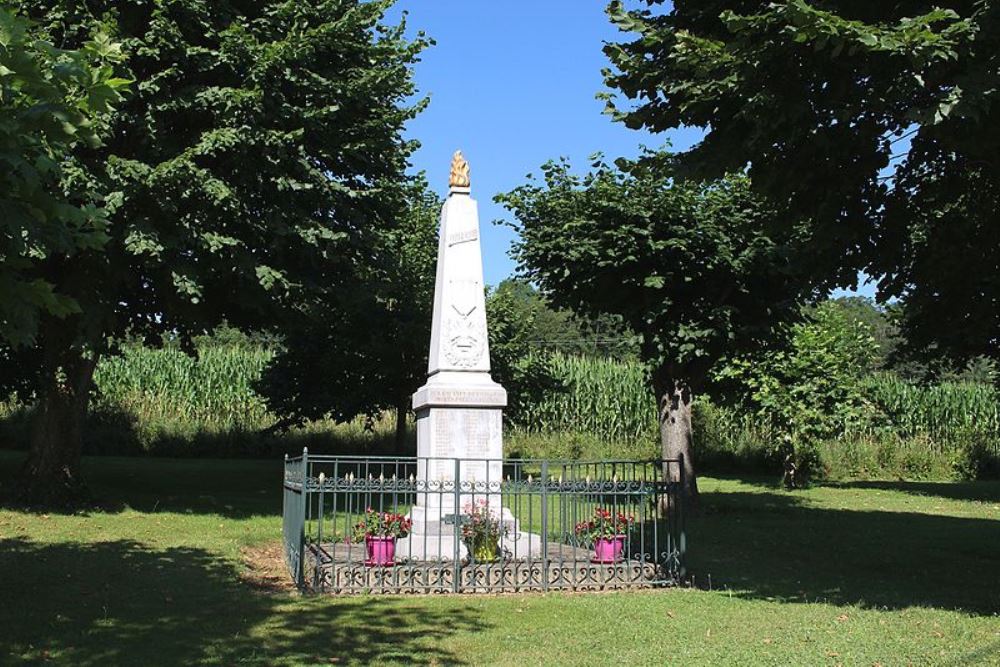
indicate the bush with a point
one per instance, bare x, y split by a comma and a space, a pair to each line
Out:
977, 457
884, 456
811, 385
729, 440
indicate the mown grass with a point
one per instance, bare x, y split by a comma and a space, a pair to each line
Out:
852, 574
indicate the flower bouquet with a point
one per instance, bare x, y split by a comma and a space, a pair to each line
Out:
482, 530
607, 532
379, 531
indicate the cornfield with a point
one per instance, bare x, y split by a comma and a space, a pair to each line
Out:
611, 400
163, 400
938, 410
606, 398
215, 389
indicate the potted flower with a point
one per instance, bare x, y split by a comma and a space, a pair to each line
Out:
380, 530
482, 530
607, 531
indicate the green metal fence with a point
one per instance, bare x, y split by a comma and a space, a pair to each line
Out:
537, 514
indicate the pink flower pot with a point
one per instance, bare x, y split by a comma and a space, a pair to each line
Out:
381, 551
609, 549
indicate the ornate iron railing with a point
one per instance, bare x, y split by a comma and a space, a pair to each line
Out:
536, 506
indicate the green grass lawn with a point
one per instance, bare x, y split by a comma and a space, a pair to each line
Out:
852, 574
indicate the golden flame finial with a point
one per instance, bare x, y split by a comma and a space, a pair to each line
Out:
459, 171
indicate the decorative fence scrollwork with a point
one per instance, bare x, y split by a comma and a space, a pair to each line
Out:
543, 512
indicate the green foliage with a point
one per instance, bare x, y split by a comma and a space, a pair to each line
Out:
940, 410
164, 402
215, 387
683, 264
52, 101
250, 164
603, 398
482, 526
878, 320
525, 331
380, 524
575, 445
887, 455
945, 245
731, 439
542, 327
255, 162
810, 388
513, 313
604, 525
816, 100
363, 350
690, 267
977, 458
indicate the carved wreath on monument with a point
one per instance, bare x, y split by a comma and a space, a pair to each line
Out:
466, 338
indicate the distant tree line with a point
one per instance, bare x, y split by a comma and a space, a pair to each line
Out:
838, 139
173, 167
193, 163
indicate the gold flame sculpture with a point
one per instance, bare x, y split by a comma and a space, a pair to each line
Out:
459, 171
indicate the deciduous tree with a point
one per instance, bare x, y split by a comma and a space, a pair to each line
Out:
51, 101
874, 121
363, 350
689, 266
247, 166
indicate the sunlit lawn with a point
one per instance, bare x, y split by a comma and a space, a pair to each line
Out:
894, 573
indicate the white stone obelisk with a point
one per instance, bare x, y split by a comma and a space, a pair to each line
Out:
460, 408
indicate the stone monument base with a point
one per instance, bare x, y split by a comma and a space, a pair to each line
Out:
433, 539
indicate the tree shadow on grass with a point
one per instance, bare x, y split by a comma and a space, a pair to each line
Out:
985, 491
776, 546
235, 489
112, 603
232, 488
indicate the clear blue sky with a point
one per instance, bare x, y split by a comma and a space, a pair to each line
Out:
512, 84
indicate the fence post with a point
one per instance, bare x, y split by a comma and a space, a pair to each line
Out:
300, 575
545, 525
456, 578
682, 539
319, 531
285, 528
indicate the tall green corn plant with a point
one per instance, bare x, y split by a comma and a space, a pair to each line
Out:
606, 398
941, 410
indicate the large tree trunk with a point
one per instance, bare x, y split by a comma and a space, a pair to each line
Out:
51, 474
674, 401
402, 409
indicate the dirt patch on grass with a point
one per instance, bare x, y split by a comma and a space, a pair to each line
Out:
264, 568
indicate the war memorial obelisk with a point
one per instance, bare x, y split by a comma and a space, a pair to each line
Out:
460, 408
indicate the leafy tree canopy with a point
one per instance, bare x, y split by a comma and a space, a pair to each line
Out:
819, 101
688, 266
51, 101
252, 164
362, 350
